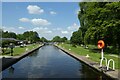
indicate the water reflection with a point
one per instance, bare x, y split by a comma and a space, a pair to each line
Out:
34, 54
50, 62
91, 74
11, 70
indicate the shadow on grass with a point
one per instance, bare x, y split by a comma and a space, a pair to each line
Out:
106, 50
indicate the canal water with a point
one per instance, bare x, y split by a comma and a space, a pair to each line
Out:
50, 62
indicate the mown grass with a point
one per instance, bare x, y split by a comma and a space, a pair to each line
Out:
20, 50
95, 56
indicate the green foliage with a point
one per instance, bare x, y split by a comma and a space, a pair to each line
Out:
63, 39
56, 39
20, 37
30, 36
94, 56
59, 39
9, 35
67, 41
76, 37
73, 45
6, 43
43, 39
99, 20
17, 51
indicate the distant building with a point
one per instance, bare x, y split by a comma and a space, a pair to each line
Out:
8, 39
11, 39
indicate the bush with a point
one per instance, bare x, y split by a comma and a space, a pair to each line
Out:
73, 45
6, 43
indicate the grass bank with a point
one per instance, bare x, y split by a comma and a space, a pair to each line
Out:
20, 50
95, 56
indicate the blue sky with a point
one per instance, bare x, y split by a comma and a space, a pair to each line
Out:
49, 19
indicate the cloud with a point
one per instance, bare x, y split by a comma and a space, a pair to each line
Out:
24, 20
73, 27
21, 27
10, 29
34, 9
52, 12
17, 30
64, 32
37, 22
49, 31
42, 22
56, 29
42, 30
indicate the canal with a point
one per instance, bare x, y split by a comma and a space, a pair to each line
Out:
50, 62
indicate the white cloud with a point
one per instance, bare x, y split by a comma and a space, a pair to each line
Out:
64, 32
14, 29
10, 29
58, 29
21, 27
42, 30
38, 22
34, 9
24, 20
73, 27
52, 12
48, 31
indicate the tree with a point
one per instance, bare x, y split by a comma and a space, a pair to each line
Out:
56, 39
9, 34
30, 36
63, 39
20, 37
43, 39
100, 20
59, 39
76, 37
12, 35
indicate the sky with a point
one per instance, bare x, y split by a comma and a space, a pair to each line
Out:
49, 19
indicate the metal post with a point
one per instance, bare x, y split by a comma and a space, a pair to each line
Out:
109, 64
105, 60
102, 54
102, 58
101, 62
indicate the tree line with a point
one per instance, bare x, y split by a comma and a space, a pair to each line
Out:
59, 39
31, 36
98, 20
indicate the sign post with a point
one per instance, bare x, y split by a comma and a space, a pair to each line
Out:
11, 47
101, 45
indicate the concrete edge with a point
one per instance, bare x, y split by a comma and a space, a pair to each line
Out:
85, 62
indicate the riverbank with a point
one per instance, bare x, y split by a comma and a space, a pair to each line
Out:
18, 50
92, 64
9, 60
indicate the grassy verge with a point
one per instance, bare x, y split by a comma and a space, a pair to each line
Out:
95, 56
20, 50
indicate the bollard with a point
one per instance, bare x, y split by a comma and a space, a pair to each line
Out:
101, 45
87, 56
26, 49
